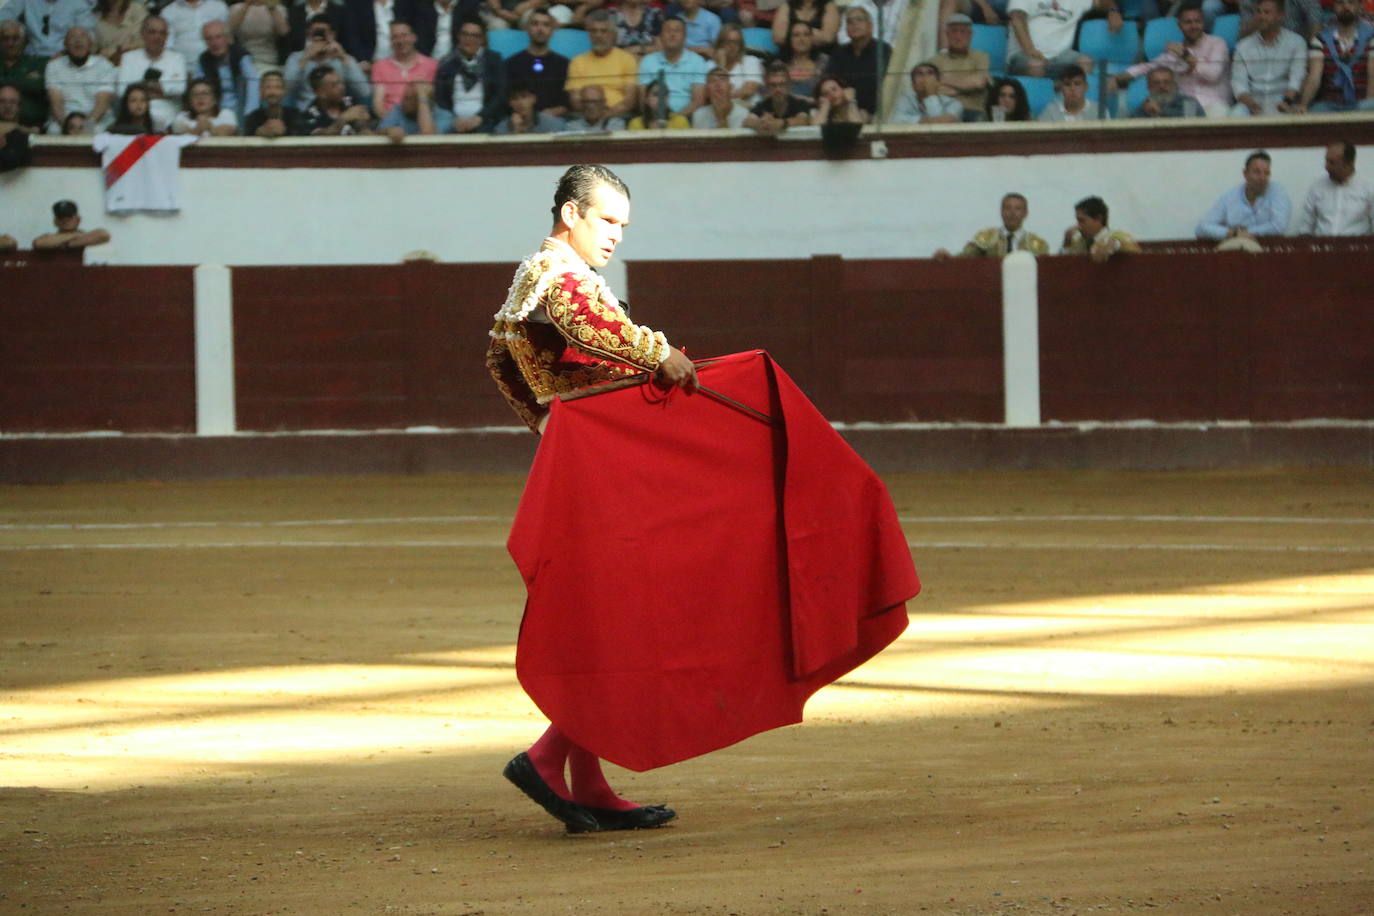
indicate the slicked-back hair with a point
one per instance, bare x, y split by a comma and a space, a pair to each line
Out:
1257, 154
1095, 207
578, 183
1018, 196
1347, 150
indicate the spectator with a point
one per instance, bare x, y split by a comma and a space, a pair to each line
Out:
984, 12
161, 70
1072, 103
857, 61
275, 118
1268, 68
745, 70
636, 27
333, 112
702, 27
74, 124
202, 114
1008, 101
964, 72
836, 103
1092, 237
391, 74
1164, 100
187, 19
604, 65
436, 26
1303, 17
1340, 203
542, 70
1042, 32
135, 112
25, 73
80, 82
884, 17
117, 24
525, 117
654, 113
414, 114
259, 27
680, 71
472, 82
14, 136
506, 14
804, 63
999, 241
322, 49
67, 220
721, 109
301, 16
367, 27
1201, 62
780, 108
1338, 64
1256, 207
46, 22
823, 16
230, 69
594, 114
924, 104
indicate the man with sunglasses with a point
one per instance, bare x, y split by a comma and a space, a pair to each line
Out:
47, 22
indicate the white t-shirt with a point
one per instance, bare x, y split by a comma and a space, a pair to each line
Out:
183, 123
80, 85
1051, 23
382, 14
146, 178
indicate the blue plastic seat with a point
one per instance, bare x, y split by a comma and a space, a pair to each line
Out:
1158, 33
1125, 102
1097, 42
570, 42
992, 41
1228, 28
1039, 92
760, 40
507, 41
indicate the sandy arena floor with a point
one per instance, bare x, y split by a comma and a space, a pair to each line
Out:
1119, 693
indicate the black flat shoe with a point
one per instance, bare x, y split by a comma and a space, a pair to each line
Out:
642, 818
577, 818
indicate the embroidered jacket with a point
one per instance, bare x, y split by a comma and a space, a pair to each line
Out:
992, 243
561, 329
1118, 240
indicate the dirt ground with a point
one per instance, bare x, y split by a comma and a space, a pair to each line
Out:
1120, 692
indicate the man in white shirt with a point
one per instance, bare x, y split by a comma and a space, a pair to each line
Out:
1042, 33
80, 81
1072, 103
161, 70
1340, 203
187, 18
1269, 67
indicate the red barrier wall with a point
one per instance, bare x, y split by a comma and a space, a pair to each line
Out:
97, 348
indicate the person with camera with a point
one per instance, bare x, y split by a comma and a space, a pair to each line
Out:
322, 49
161, 70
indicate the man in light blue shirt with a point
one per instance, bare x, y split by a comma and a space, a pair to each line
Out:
1257, 207
924, 104
683, 72
703, 26
47, 22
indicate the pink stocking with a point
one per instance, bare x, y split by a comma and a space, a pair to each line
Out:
589, 784
549, 755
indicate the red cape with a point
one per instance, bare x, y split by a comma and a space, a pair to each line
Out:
695, 573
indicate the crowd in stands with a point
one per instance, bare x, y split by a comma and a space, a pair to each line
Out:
1340, 203
273, 68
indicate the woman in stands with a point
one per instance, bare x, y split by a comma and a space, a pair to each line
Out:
804, 63
822, 15
746, 70
258, 26
649, 115
636, 27
1007, 101
835, 103
117, 24
133, 117
201, 113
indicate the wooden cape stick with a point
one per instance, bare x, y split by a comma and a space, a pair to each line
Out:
634, 381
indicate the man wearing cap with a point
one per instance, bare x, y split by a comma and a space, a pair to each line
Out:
964, 72
69, 235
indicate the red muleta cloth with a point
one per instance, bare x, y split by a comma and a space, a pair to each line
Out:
694, 573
